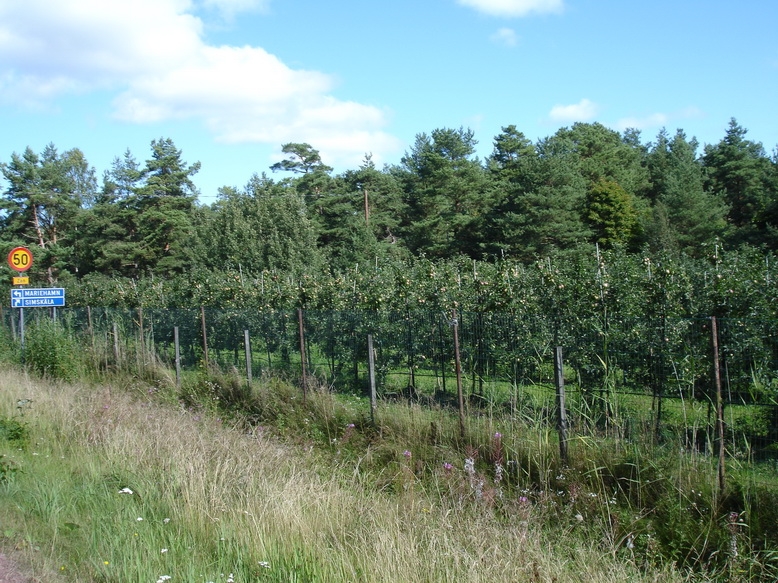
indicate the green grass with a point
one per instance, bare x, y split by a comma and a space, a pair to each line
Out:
315, 502
317, 490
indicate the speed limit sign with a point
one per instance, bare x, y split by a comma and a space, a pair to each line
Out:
20, 259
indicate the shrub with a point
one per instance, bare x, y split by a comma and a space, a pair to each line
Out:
52, 352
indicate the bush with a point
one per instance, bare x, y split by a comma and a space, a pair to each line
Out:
52, 352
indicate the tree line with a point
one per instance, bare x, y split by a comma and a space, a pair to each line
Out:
585, 191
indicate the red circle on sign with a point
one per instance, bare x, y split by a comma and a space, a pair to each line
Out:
20, 259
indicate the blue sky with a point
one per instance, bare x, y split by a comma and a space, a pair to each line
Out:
230, 81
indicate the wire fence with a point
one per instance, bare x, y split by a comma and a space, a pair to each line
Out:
651, 380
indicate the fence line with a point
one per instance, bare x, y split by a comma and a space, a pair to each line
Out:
627, 379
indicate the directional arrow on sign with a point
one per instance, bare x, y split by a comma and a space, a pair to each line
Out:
17, 302
16, 293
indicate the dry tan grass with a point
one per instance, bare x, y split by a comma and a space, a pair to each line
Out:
267, 498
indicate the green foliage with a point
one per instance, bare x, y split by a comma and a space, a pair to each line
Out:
7, 469
14, 431
527, 201
611, 214
51, 351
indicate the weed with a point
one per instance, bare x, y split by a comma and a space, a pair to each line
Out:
14, 431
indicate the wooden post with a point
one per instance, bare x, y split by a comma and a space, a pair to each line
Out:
371, 368
205, 337
302, 352
559, 381
714, 330
458, 368
247, 348
140, 328
116, 344
89, 325
178, 356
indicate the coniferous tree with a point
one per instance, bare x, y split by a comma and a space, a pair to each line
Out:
446, 194
541, 207
685, 216
42, 204
739, 171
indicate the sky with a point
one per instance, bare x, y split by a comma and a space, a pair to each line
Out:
231, 81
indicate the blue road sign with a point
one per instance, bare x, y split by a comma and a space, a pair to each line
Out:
50, 297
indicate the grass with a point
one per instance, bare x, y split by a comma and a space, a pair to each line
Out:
280, 503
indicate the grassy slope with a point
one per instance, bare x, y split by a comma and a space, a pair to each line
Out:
216, 501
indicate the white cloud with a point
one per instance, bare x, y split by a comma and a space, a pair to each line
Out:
151, 55
229, 8
514, 8
506, 37
655, 120
583, 111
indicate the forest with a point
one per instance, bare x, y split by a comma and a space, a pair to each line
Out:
627, 254
438, 229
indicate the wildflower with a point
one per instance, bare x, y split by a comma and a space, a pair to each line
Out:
163, 578
139, 519
264, 564
350, 426
407, 454
523, 499
163, 551
470, 466
498, 435
126, 491
498, 469
106, 563
165, 521
448, 467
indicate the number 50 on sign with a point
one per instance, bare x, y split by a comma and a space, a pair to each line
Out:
20, 259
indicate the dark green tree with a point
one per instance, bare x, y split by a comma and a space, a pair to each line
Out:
263, 227
42, 204
685, 216
360, 218
540, 198
739, 170
108, 241
446, 194
313, 179
164, 204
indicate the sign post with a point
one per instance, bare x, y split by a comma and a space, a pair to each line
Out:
20, 260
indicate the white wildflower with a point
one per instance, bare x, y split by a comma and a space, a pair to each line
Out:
126, 491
